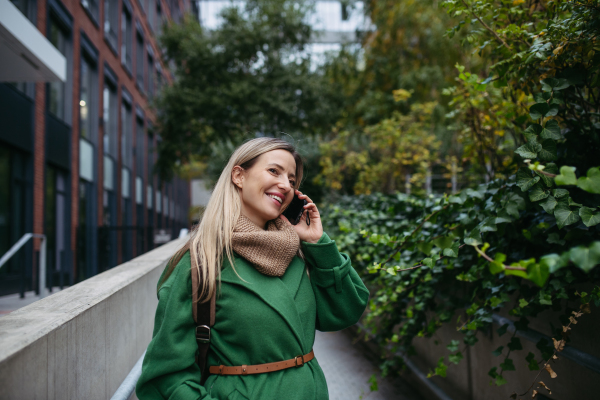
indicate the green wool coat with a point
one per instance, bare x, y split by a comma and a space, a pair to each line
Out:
259, 319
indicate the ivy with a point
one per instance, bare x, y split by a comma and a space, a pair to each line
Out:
524, 242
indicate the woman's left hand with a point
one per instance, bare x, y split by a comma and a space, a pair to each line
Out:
308, 233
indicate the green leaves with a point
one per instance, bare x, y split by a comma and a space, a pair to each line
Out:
529, 150
552, 84
538, 273
542, 110
565, 215
525, 179
566, 177
537, 193
551, 130
586, 258
590, 183
532, 363
589, 217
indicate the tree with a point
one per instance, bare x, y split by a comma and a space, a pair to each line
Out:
250, 77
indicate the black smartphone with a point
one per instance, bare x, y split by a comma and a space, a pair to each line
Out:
294, 211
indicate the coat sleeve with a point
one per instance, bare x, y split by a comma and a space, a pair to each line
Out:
340, 293
169, 369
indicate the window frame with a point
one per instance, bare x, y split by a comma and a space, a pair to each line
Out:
126, 33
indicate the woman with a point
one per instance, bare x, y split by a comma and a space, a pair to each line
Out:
278, 283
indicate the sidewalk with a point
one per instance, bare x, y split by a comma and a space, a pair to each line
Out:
12, 302
348, 370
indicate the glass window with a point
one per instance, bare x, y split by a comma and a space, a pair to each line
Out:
126, 39
150, 158
150, 77
151, 13
109, 112
111, 22
86, 160
92, 7
158, 19
159, 80
158, 202
139, 190
140, 148
56, 101
109, 173
139, 61
126, 135
125, 183
85, 98
149, 192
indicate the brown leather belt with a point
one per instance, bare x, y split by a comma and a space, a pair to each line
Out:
297, 361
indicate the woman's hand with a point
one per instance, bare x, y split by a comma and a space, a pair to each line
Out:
308, 233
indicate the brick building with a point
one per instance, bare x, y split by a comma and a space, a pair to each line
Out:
77, 151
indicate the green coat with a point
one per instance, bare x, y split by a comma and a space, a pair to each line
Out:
262, 320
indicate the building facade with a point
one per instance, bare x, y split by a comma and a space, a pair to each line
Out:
77, 155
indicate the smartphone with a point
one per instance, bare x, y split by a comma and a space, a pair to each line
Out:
294, 211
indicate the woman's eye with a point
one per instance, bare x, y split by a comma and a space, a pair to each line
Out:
273, 170
293, 183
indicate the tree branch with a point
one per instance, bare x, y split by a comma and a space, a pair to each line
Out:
487, 27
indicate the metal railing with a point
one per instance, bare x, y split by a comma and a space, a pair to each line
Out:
127, 388
13, 250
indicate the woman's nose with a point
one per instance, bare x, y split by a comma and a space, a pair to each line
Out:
285, 184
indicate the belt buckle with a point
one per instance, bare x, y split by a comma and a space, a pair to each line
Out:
296, 361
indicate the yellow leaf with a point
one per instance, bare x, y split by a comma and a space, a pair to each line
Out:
559, 345
550, 371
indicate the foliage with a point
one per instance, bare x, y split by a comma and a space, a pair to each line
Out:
383, 155
250, 77
524, 242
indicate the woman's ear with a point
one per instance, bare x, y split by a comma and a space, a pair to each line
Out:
237, 176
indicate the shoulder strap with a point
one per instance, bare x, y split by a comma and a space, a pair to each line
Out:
204, 317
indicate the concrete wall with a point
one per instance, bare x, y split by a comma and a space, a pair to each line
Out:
82, 342
470, 380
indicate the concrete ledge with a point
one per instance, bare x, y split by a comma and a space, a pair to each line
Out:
82, 342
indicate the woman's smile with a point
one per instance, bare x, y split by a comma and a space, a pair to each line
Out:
276, 197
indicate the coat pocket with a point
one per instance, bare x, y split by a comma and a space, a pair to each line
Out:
235, 395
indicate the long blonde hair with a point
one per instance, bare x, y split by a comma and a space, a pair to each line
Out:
211, 239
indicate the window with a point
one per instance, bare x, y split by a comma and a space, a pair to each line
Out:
150, 77
111, 22
87, 100
91, 6
150, 165
139, 159
159, 79
158, 19
126, 39
110, 120
344, 11
158, 202
151, 13
57, 91
139, 60
126, 135
140, 148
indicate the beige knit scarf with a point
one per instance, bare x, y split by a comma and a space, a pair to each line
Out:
271, 250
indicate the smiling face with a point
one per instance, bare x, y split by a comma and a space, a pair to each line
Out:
267, 187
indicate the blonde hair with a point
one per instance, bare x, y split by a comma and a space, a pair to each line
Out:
210, 240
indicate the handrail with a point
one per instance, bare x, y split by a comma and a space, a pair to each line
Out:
13, 250
127, 388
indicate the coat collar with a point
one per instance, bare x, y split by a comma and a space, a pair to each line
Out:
278, 293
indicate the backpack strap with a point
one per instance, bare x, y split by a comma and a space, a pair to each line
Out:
204, 317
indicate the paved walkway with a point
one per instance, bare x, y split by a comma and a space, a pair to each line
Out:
348, 371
